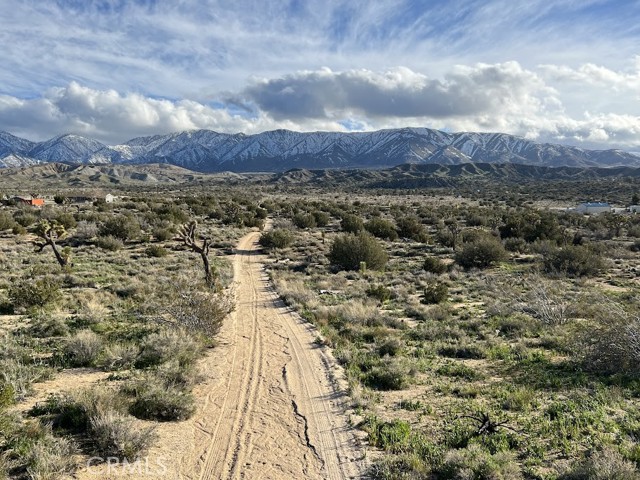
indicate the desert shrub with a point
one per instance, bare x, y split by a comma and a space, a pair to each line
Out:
350, 251
6, 221
381, 228
435, 292
162, 234
390, 346
606, 464
109, 242
573, 260
277, 238
167, 345
18, 230
83, 349
390, 375
389, 436
28, 293
482, 253
50, 457
163, 404
351, 223
156, 251
515, 244
45, 326
379, 292
119, 356
322, 218
115, 435
474, 462
434, 265
199, 313
97, 414
20, 373
7, 395
411, 227
304, 220
67, 220
122, 227
86, 230
24, 218
612, 345
531, 225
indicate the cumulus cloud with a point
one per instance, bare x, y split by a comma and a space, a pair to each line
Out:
110, 116
598, 75
401, 92
503, 97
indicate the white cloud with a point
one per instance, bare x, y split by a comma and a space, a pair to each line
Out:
503, 97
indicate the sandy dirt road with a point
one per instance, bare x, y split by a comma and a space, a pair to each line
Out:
269, 407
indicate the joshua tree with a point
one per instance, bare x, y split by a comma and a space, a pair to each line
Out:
188, 236
50, 232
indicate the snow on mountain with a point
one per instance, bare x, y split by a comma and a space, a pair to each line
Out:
279, 150
17, 160
12, 144
66, 148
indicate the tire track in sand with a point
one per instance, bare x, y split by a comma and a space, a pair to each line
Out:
268, 408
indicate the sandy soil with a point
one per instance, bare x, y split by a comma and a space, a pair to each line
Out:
270, 406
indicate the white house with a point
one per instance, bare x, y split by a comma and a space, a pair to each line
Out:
593, 208
634, 208
108, 198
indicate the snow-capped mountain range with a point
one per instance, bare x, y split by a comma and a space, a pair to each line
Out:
281, 150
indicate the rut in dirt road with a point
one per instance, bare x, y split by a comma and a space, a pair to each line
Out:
279, 414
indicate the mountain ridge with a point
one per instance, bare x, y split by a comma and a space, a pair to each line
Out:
281, 150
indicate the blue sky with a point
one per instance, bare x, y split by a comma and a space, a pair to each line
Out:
563, 71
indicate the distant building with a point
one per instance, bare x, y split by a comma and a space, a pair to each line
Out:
593, 208
108, 198
634, 208
33, 201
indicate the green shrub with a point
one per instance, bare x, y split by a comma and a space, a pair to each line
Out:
390, 375
83, 349
67, 220
304, 220
573, 260
119, 356
7, 395
277, 238
605, 464
434, 265
379, 292
163, 404
122, 227
411, 227
322, 218
349, 251
110, 243
6, 221
435, 292
482, 253
156, 251
351, 223
48, 326
199, 313
50, 457
389, 436
381, 228
474, 462
28, 293
115, 435
162, 234
168, 345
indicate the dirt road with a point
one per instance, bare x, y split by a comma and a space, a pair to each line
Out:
268, 408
